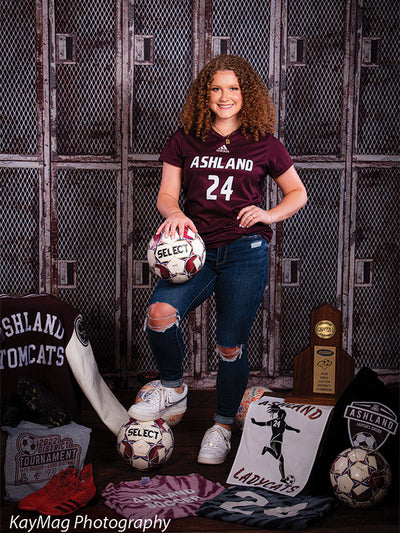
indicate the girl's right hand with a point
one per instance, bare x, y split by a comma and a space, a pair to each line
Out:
177, 220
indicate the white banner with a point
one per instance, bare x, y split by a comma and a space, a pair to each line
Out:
279, 444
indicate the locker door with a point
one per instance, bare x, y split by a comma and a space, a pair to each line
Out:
84, 91
378, 118
314, 69
20, 148
160, 72
374, 325
87, 230
18, 89
311, 252
376, 275
19, 223
85, 180
313, 123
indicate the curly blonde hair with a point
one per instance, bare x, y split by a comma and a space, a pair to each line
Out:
257, 115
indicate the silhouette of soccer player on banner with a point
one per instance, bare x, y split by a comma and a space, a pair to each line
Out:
278, 427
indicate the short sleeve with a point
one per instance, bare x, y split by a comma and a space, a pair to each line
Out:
172, 152
279, 158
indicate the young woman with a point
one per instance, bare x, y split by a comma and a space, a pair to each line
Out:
220, 157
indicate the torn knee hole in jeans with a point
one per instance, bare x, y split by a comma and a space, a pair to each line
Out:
161, 324
230, 354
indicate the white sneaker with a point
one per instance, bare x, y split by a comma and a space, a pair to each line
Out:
215, 446
161, 402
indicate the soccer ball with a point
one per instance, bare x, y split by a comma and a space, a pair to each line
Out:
28, 444
360, 477
146, 390
250, 394
176, 259
364, 440
145, 445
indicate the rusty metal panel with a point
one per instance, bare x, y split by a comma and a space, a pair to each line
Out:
90, 90
314, 236
314, 83
87, 231
18, 97
19, 222
379, 110
159, 88
247, 24
86, 114
376, 281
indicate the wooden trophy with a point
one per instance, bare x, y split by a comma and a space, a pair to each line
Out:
323, 370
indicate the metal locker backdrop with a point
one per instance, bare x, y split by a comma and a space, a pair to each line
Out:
85, 50
19, 186
19, 220
91, 91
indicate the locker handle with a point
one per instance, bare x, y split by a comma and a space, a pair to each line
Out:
363, 272
65, 48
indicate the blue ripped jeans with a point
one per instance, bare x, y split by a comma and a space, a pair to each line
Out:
237, 273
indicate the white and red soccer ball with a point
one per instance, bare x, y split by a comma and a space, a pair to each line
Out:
145, 445
176, 259
360, 477
147, 390
250, 395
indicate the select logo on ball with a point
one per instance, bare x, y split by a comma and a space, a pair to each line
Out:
176, 258
138, 431
167, 251
145, 445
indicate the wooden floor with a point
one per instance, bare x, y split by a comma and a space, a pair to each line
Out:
109, 467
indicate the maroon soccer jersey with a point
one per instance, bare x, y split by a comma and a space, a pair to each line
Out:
220, 179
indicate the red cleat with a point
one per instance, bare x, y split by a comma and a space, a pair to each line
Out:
57, 483
76, 494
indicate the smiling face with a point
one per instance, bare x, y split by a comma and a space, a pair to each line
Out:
225, 98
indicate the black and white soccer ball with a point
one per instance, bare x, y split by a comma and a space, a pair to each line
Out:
176, 259
28, 444
360, 477
145, 445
